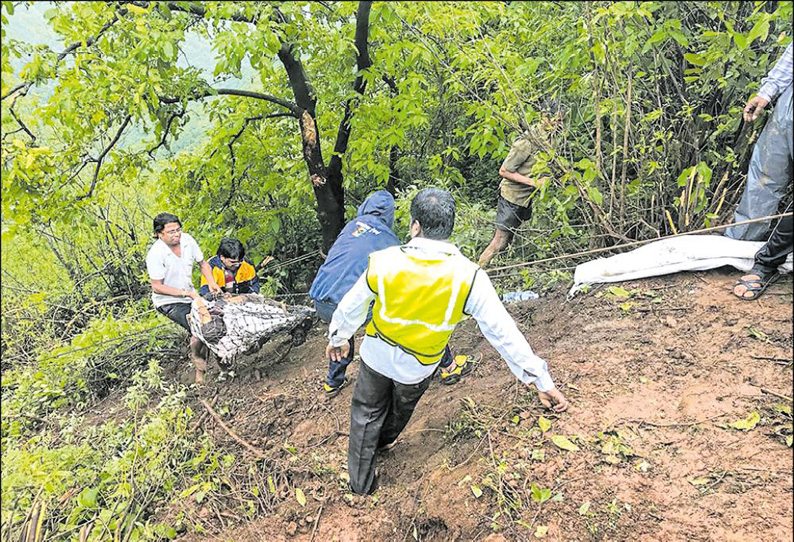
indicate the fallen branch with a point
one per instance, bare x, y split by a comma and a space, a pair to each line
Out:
776, 394
674, 424
662, 309
778, 361
317, 522
201, 418
774, 471
256, 451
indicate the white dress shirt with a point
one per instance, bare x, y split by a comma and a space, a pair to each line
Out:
163, 264
483, 305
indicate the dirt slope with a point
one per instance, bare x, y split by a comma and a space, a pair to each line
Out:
662, 373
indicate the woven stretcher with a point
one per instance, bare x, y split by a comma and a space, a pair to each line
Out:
231, 326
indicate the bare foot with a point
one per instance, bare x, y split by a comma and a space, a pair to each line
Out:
199, 363
742, 290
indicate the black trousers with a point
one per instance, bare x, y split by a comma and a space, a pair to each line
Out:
779, 245
380, 411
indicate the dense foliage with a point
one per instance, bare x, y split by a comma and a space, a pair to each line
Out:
221, 111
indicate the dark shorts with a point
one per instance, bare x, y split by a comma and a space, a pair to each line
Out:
509, 216
177, 312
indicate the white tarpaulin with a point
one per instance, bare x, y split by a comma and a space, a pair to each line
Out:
685, 253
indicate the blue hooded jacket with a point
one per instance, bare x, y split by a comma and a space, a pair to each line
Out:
349, 256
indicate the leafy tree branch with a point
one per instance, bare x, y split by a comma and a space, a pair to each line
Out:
102, 156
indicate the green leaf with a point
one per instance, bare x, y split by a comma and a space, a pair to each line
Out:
748, 423
168, 50
544, 424
680, 38
757, 334
695, 59
584, 508
88, 497
561, 441
541, 531
540, 495
759, 30
789, 440
300, 497
594, 195
189, 491
271, 485
619, 292
476, 490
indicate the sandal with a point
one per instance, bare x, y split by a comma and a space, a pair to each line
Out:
462, 366
754, 284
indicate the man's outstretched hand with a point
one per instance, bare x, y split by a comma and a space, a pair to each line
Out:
553, 399
337, 353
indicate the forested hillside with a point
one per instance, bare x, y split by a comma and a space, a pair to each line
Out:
271, 122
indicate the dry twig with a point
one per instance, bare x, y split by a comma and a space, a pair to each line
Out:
256, 451
776, 394
317, 522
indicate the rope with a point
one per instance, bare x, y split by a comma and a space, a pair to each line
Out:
638, 243
565, 256
297, 294
289, 262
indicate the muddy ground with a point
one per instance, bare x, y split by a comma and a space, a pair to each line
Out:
655, 380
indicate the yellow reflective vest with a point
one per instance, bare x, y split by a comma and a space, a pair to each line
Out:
418, 302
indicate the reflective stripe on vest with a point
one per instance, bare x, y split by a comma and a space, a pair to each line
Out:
419, 302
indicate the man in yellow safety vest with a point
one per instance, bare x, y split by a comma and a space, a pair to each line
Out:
421, 290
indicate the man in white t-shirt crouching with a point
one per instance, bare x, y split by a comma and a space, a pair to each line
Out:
170, 266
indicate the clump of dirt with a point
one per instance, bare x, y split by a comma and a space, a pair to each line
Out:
655, 381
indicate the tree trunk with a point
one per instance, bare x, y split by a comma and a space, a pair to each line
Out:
327, 181
328, 189
394, 178
328, 192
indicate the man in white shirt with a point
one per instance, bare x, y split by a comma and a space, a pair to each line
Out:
421, 290
169, 263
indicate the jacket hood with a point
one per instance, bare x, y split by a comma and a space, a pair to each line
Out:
380, 204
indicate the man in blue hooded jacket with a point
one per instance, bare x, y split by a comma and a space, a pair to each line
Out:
369, 232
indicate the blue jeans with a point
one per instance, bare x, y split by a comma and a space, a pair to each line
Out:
336, 369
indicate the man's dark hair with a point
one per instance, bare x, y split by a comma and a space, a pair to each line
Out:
162, 219
232, 249
434, 209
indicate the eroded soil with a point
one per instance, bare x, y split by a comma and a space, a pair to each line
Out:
653, 381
